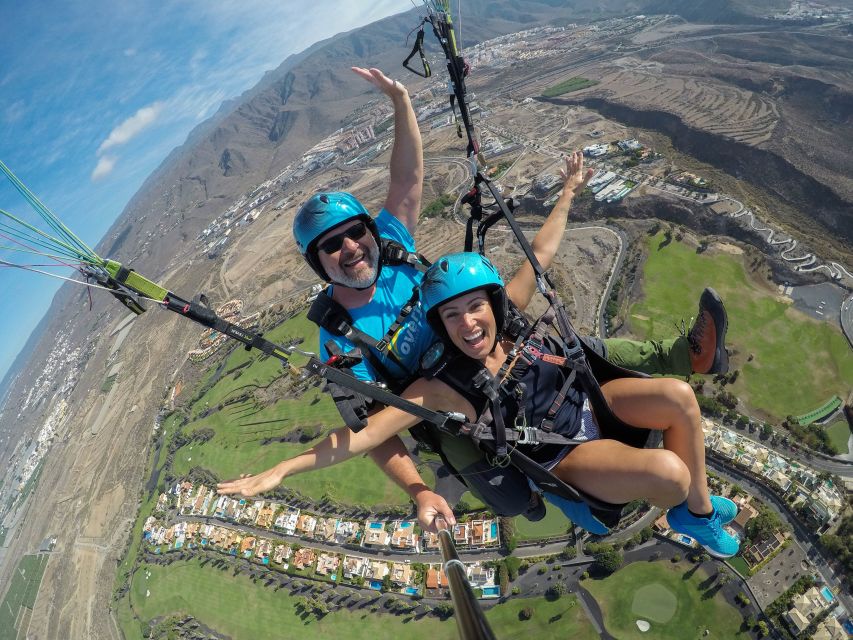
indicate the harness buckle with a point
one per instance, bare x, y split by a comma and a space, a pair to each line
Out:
574, 354
529, 435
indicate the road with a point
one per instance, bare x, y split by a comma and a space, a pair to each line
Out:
802, 537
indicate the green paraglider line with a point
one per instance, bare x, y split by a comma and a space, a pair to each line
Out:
70, 240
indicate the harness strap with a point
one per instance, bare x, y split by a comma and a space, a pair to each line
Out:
394, 254
419, 49
547, 423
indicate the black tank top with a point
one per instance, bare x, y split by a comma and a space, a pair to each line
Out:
542, 382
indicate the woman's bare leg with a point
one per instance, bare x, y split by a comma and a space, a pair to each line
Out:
670, 406
617, 473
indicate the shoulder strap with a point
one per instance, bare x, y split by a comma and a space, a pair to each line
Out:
331, 315
393, 253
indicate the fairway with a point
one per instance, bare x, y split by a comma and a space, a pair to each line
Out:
839, 435
555, 523
673, 602
235, 606
797, 362
251, 436
22, 593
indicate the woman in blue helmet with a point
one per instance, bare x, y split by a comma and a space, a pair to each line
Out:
466, 301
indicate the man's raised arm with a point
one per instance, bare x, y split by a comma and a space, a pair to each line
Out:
407, 158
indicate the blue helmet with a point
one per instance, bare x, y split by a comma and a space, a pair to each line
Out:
322, 213
455, 275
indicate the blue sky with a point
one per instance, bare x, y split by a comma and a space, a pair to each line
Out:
95, 93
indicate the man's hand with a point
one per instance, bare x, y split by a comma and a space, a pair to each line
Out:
391, 88
573, 174
430, 506
249, 485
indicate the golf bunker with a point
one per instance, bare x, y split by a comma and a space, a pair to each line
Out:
653, 602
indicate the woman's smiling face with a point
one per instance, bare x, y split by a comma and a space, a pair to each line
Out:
470, 323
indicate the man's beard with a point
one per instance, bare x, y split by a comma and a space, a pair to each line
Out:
367, 277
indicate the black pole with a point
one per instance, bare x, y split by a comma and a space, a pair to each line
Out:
470, 621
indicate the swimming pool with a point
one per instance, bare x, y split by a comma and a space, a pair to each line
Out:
827, 594
491, 592
375, 584
375, 525
411, 591
685, 540
405, 525
494, 530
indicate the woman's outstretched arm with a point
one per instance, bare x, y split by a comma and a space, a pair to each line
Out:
338, 446
523, 284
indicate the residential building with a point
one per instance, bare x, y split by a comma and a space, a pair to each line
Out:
263, 550
404, 536
325, 529
376, 570
346, 531
355, 566
401, 573
304, 558
461, 532
480, 576
247, 546
830, 629
327, 563
435, 578
429, 540
375, 534
282, 553
287, 520
265, 516
746, 512
305, 525
805, 608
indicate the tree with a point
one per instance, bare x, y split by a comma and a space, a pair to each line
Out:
555, 591
568, 553
608, 560
762, 526
512, 565
526, 613
444, 610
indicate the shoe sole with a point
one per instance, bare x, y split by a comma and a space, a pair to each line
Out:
721, 323
717, 554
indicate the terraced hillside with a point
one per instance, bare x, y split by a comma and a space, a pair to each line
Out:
769, 104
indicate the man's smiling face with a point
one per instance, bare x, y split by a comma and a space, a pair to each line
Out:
355, 263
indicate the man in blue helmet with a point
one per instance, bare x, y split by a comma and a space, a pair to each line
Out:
340, 240
343, 244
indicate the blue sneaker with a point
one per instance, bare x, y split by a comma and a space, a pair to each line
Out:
725, 507
579, 514
708, 532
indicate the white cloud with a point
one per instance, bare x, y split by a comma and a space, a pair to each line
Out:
132, 127
104, 167
15, 111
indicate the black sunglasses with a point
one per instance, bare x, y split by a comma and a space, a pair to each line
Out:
334, 243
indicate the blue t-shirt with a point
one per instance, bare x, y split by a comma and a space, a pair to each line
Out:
393, 289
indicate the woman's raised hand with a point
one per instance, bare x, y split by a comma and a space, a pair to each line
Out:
573, 174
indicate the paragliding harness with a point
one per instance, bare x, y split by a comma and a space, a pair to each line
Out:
329, 314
